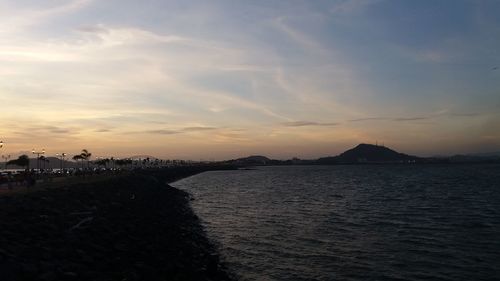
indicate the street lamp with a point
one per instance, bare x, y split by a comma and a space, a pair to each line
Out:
38, 153
1, 146
61, 156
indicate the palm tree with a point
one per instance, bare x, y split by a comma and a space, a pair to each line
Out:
86, 156
78, 157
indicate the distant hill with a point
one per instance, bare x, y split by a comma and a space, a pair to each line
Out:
362, 153
368, 153
252, 160
486, 154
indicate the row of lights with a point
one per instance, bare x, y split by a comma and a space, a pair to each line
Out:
62, 156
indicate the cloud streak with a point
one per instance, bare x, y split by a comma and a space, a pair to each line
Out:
404, 119
369, 119
351, 6
308, 123
27, 18
416, 118
159, 132
181, 130
198, 129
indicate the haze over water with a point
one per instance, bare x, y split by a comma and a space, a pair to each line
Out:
384, 222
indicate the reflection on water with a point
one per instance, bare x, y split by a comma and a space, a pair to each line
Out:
391, 222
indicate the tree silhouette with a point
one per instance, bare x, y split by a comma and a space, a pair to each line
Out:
23, 161
123, 162
78, 157
44, 160
86, 156
102, 162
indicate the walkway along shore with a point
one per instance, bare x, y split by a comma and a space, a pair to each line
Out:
126, 227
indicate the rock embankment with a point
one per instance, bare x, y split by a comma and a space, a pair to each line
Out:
130, 227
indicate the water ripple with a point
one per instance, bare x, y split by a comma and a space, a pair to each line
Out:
354, 222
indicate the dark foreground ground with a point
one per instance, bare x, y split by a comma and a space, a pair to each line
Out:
127, 227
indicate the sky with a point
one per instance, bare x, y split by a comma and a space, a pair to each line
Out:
215, 80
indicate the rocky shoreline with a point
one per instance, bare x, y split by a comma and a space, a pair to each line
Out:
127, 227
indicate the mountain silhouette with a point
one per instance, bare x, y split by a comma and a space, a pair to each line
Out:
252, 160
368, 153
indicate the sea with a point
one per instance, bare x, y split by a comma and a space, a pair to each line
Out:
353, 222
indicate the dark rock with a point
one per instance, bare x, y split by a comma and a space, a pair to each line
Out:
155, 236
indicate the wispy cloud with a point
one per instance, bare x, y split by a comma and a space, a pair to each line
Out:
198, 129
350, 6
180, 130
397, 119
418, 118
303, 40
428, 55
111, 36
29, 17
308, 123
103, 130
50, 130
57, 130
368, 119
159, 132
465, 114
43, 132
232, 101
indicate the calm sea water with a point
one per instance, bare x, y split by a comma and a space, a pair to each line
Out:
391, 222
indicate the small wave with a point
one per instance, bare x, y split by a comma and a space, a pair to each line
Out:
347, 223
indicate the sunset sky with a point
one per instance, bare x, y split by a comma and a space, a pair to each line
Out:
225, 79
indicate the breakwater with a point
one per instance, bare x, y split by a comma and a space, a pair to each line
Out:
126, 227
